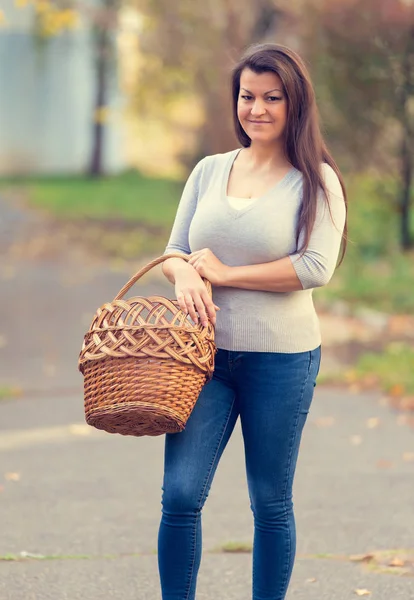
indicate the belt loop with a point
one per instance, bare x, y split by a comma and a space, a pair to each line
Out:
230, 359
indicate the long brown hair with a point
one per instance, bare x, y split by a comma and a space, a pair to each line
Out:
305, 147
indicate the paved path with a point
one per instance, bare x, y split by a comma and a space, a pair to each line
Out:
92, 500
82, 493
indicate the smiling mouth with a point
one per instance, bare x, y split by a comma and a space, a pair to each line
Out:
260, 122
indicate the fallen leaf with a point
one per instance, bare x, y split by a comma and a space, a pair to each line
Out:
351, 376
384, 464
396, 562
311, 580
408, 456
373, 423
363, 592
12, 476
355, 440
361, 557
370, 380
406, 403
397, 390
399, 324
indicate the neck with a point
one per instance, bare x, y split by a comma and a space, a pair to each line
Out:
261, 155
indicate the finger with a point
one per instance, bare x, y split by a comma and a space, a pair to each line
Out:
198, 266
201, 309
194, 256
181, 303
193, 262
190, 306
210, 307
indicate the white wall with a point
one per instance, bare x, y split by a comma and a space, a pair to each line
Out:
46, 101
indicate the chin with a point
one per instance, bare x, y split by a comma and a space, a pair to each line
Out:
264, 139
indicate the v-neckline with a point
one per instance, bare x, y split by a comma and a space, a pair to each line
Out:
241, 211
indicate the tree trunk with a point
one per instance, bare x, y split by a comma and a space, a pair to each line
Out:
406, 177
103, 52
406, 145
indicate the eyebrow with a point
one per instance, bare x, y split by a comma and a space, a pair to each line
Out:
275, 90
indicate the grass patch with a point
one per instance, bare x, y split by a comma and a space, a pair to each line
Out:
128, 215
391, 370
375, 273
383, 284
25, 556
236, 548
123, 216
127, 197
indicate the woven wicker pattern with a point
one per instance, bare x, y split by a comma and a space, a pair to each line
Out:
144, 363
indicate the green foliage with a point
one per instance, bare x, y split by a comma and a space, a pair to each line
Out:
382, 285
364, 75
373, 218
362, 65
375, 273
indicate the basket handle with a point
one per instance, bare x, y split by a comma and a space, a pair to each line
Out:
149, 266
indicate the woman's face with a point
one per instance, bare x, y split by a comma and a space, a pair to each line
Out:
262, 106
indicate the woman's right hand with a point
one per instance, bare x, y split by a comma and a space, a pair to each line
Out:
193, 297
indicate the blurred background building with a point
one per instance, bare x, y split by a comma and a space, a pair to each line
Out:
47, 99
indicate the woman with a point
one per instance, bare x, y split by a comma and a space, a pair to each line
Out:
264, 224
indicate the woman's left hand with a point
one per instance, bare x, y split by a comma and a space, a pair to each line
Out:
209, 266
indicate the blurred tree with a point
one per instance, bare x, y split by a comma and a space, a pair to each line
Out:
55, 17
189, 47
103, 24
364, 52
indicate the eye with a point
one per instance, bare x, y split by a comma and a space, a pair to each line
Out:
245, 97
274, 98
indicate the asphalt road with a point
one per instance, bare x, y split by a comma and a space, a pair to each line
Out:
87, 504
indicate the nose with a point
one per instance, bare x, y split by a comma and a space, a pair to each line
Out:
258, 109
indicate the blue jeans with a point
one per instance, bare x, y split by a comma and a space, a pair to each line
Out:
272, 393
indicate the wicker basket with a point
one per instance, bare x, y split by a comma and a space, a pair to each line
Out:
144, 363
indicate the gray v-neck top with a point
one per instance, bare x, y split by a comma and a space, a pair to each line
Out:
263, 231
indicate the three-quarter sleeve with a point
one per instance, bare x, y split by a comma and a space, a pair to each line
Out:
178, 241
317, 265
